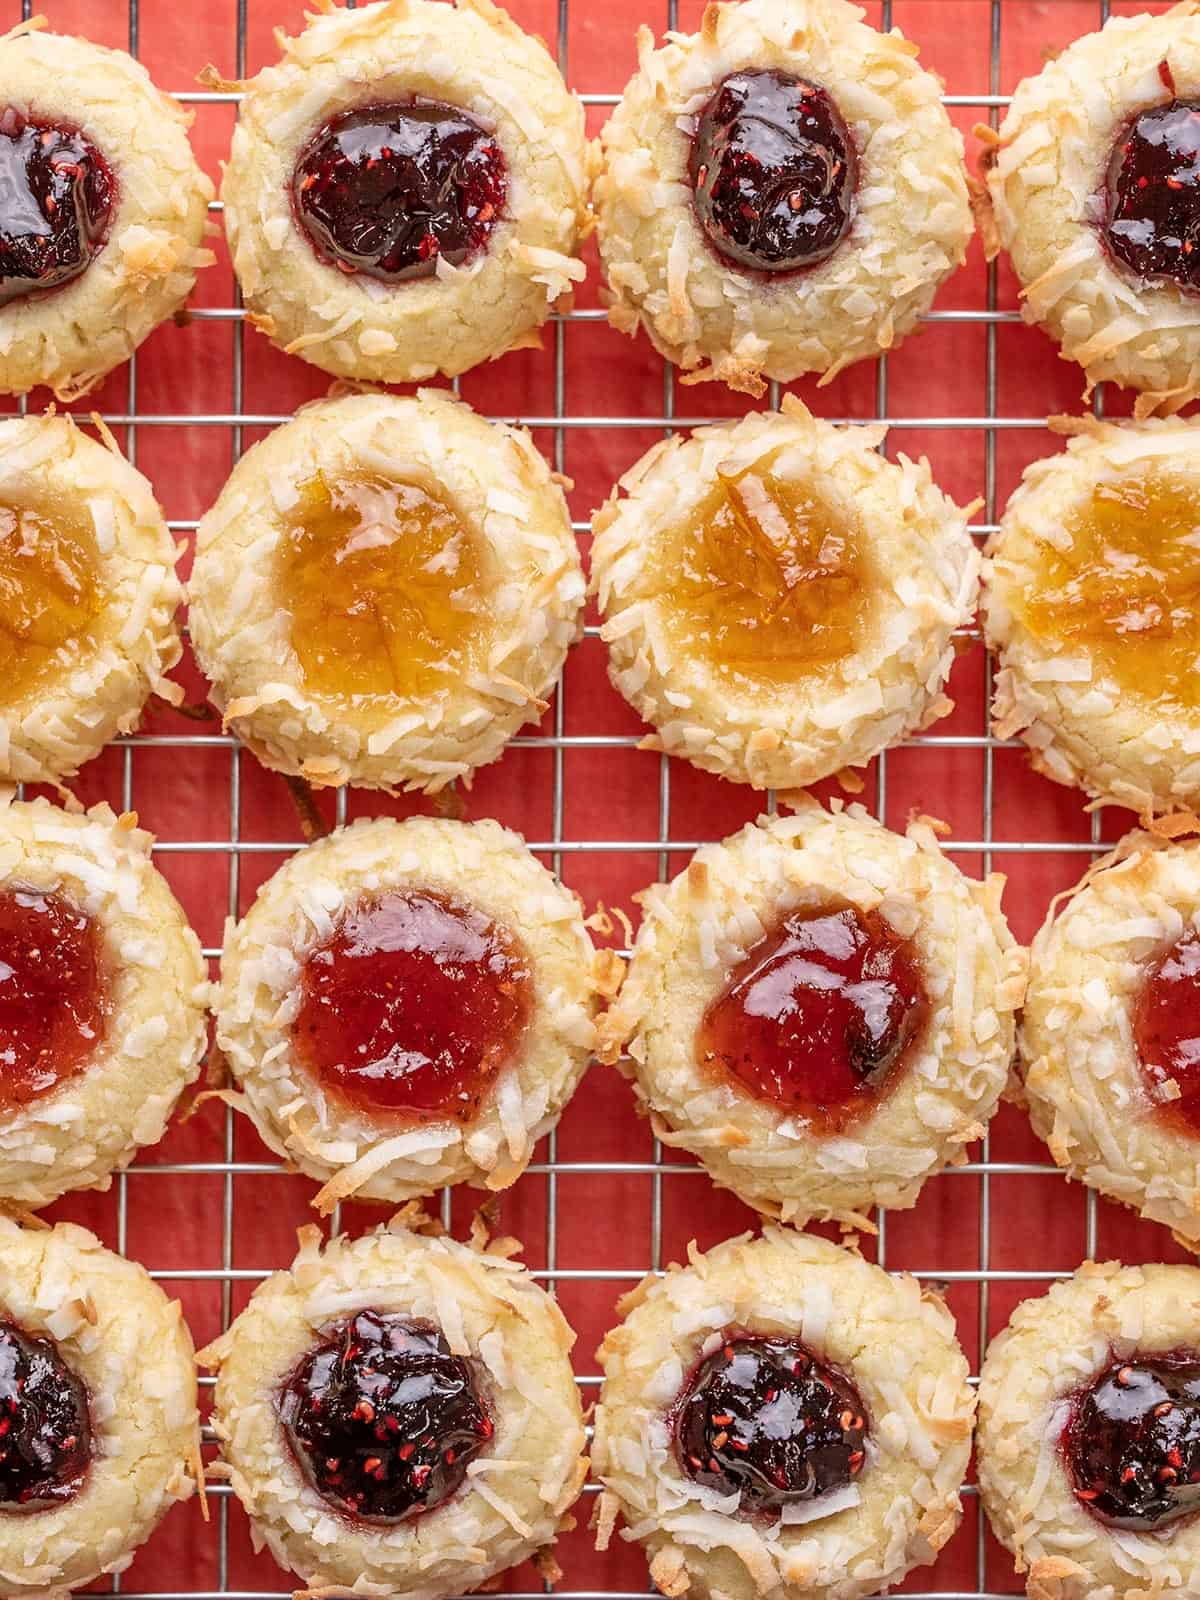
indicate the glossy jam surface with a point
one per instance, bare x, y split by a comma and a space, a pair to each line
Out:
773, 171
388, 189
762, 582
45, 1424
49, 593
818, 1017
1152, 212
57, 194
383, 582
1166, 1031
1132, 1441
764, 1418
54, 1000
413, 1006
383, 1420
1128, 587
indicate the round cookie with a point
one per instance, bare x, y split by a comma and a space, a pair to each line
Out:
821, 1011
779, 600
88, 1343
882, 1489
462, 236
863, 124
503, 1344
104, 208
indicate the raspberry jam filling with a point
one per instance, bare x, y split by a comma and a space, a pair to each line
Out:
54, 999
388, 189
819, 1015
1166, 1032
1132, 1442
45, 1424
413, 1005
774, 172
1152, 195
382, 1419
57, 195
765, 1419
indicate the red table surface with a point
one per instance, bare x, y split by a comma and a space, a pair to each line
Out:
212, 1234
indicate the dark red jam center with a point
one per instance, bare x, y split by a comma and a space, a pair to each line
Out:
387, 189
413, 1005
1166, 1031
765, 1419
1132, 1441
1152, 212
45, 1424
56, 199
819, 1015
53, 993
382, 1418
774, 172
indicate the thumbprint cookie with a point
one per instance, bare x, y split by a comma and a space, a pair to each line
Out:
1094, 188
780, 193
820, 1011
1090, 602
385, 591
409, 1004
98, 1402
781, 1417
399, 1415
780, 601
102, 210
1089, 1434
406, 189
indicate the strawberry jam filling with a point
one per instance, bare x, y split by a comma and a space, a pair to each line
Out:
382, 1419
1166, 1032
1152, 196
763, 1418
413, 1006
45, 1424
819, 1016
1132, 1441
57, 195
387, 190
774, 172
53, 993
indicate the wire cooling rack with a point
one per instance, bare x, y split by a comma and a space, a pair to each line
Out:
209, 1210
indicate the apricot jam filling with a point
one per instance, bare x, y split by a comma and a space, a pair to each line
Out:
49, 590
762, 581
1127, 587
413, 1006
45, 1424
1166, 1032
383, 582
818, 1017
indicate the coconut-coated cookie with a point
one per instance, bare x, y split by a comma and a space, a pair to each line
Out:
720, 1356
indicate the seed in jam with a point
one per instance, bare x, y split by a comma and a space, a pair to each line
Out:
1132, 1441
45, 1424
387, 190
53, 993
1152, 196
382, 1418
765, 1419
1166, 1032
49, 594
818, 1016
56, 200
762, 582
774, 172
413, 1006
383, 582
1125, 583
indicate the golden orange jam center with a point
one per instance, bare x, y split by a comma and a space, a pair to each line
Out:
761, 581
49, 590
383, 583
1128, 588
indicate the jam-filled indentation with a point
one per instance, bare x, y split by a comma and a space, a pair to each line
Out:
57, 195
1152, 194
50, 592
45, 1424
1166, 1032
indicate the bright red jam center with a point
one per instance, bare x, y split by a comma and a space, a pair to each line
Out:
1166, 1031
53, 993
819, 1015
57, 195
45, 1424
413, 1005
1152, 220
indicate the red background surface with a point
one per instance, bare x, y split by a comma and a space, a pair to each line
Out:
993, 1231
